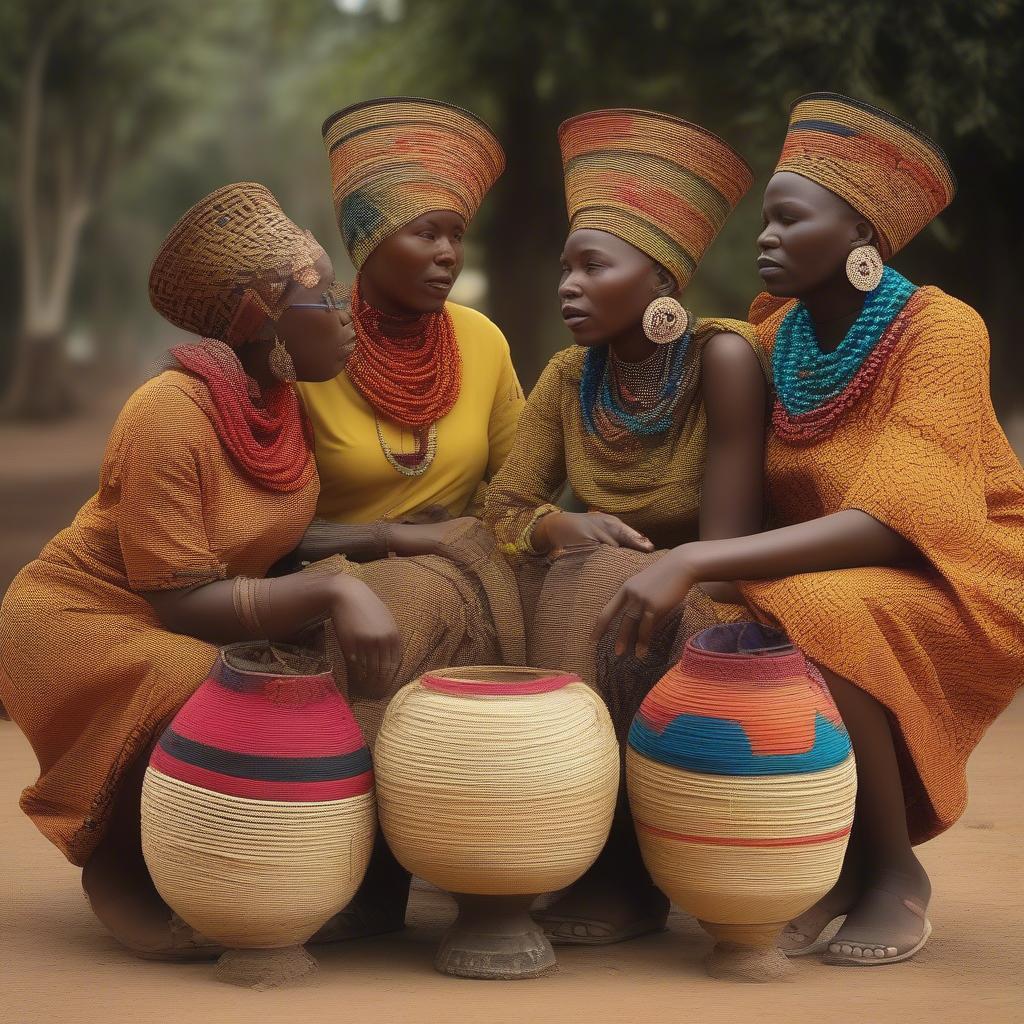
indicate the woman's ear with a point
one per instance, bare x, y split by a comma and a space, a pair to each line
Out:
865, 234
665, 282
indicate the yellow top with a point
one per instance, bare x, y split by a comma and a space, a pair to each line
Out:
359, 485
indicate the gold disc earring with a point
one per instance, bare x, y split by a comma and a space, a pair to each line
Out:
665, 320
864, 268
280, 362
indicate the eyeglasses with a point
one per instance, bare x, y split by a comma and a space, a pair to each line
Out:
329, 303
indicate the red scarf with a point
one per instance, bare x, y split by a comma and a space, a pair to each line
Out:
271, 445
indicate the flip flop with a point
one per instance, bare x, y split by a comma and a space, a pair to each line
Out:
818, 944
881, 954
582, 931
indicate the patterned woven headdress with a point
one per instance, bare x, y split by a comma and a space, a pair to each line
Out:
883, 167
227, 263
655, 181
396, 158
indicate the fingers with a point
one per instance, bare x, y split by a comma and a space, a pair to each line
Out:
608, 613
627, 537
645, 630
627, 635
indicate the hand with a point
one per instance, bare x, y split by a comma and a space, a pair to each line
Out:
568, 529
645, 599
348, 331
368, 636
422, 538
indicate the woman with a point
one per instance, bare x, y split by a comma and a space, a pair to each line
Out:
207, 480
654, 418
422, 417
898, 566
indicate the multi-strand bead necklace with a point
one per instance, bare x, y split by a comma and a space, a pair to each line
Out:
412, 381
619, 400
814, 389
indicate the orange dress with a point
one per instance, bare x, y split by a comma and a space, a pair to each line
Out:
86, 670
939, 643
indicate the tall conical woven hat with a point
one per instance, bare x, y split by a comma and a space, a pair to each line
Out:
883, 167
396, 158
658, 182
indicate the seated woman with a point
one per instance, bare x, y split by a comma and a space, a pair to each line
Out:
422, 417
207, 480
897, 566
656, 420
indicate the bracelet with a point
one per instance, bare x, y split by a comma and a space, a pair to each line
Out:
244, 596
523, 544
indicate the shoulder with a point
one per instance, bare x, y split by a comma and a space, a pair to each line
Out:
944, 330
164, 412
730, 346
567, 363
471, 323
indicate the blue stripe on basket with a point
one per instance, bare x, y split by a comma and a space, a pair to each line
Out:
260, 767
716, 746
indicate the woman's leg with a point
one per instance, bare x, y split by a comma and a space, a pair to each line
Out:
886, 918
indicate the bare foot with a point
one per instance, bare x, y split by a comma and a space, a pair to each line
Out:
887, 924
600, 910
803, 934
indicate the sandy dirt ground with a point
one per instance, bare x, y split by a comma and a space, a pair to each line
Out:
58, 965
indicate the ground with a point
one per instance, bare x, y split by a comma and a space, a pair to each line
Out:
58, 965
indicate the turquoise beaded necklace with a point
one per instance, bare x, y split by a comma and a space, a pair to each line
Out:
807, 378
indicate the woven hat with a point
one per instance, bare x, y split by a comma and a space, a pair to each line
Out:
396, 158
655, 181
886, 169
227, 263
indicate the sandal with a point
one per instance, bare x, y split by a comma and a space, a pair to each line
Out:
868, 954
806, 945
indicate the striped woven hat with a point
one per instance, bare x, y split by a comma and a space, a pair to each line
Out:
655, 181
396, 158
886, 169
227, 263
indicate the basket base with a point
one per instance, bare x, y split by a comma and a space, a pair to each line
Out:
494, 938
746, 953
262, 969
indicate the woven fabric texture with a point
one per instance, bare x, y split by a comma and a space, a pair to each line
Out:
457, 607
652, 483
655, 181
396, 158
88, 673
883, 167
940, 643
227, 264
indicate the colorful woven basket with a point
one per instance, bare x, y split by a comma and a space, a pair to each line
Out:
496, 782
742, 785
258, 808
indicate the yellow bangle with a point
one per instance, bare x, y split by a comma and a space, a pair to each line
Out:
523, 545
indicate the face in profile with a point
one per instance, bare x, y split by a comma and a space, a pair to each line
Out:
317, 334
413, 270
605, 286
808, 234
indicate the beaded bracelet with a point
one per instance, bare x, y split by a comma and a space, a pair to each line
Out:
523, 544
245, 596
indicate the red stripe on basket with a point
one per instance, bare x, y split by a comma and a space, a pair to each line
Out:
251, 723
824, 837
441, 684
256, 789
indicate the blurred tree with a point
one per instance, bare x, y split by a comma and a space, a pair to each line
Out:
89, 84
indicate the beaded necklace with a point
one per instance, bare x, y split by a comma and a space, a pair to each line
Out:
412, 381
814, 388
619, 400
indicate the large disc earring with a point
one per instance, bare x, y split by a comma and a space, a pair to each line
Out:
665, 320
864, 268
280, 362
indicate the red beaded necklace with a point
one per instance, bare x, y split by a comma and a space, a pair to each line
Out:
412, 381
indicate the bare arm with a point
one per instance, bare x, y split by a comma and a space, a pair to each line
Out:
843, 540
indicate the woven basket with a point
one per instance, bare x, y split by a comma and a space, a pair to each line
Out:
257, 805
496, 781
742, 785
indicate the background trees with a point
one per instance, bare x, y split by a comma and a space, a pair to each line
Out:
120, 113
